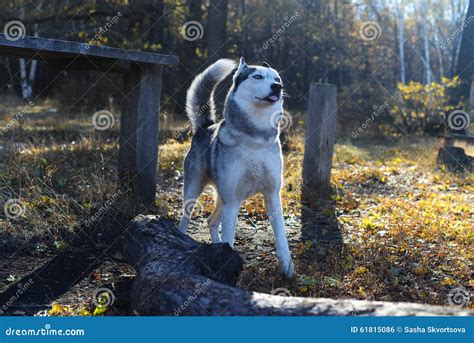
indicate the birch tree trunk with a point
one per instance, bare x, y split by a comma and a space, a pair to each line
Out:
438, 51
401, 39
25, 89
32, 75
426, 50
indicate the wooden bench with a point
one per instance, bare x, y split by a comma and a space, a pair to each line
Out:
138, 155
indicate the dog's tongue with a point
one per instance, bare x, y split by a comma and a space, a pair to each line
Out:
273, 98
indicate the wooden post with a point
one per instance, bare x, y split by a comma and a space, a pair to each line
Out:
138, 156
319, 140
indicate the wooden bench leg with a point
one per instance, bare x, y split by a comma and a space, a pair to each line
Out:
138, 156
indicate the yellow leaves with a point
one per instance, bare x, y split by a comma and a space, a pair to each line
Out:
368, 224
84, 313
360, 270
60, 310
99, 311
420, 103
448, 282
304, 289
362, 292
64, 310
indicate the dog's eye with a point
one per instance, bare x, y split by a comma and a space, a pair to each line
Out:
258, 77
277, 79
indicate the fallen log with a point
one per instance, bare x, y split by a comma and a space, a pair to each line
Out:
178, 276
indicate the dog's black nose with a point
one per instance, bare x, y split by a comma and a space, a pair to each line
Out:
276, 87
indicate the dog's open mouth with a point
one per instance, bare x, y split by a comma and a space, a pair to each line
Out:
271, 98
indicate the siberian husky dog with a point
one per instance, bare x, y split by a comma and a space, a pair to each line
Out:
241, 154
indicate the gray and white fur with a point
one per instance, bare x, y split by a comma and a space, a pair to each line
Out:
240, 155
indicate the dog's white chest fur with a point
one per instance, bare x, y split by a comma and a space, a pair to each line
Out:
259, 173
251, 166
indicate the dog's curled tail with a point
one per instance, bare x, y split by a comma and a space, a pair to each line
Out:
199, 99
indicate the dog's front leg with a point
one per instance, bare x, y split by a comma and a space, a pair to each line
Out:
275, 215
230, 212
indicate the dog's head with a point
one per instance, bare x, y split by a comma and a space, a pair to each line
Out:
259, 86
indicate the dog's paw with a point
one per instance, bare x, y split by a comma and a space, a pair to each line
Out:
288, 269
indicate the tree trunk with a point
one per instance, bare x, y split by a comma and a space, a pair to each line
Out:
465, 67
178, 276
217, 30
401, 39
438, 52
426, 51
25, 88
157, 22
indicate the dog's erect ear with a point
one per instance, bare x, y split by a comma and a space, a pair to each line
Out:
265, 64
241, 67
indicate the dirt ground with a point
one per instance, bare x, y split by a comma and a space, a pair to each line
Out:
396, 228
